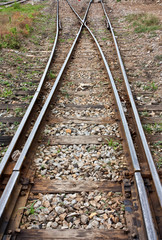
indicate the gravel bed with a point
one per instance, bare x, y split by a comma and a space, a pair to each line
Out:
86, 93
8, 129
87, 99
82, 129
60, 111
81, 162
85, 210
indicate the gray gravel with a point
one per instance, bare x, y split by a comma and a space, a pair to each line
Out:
81, 162
78, 210
82, 129
60, 111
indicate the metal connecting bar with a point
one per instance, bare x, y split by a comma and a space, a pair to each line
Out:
150, 160
150, 229
31, 105
17, 168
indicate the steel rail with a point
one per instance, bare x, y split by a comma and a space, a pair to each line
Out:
147, 151
32, 103
13, 179
149, 225
12, 2
150, 229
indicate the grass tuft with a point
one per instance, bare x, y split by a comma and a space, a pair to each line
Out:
16, 22
143, 22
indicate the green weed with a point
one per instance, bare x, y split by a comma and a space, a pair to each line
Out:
30, 208
52, 75
122, 207
91, 149
6, 83
143, 22
158, 57
16, 124
11, 40
69, 83
29, 9
65, 93
42, 167
113, 143
19, 111
158, 144
118, 79
150, 128
9, 75
159, 163
70, 39
152, 86
27, 83
104, 39
16, 5
24, 88
152, 34
62, 40
16, 22
144, 114
27, 98
19, 59
6, 93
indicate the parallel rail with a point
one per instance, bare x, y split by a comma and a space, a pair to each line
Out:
7, 4
150, 228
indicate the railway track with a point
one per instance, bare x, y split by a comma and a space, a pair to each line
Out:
10, 3
81, 172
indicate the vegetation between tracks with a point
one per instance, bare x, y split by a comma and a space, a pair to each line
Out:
18, 83
16, 23
143, 22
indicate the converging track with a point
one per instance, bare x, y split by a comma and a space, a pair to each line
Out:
80, 171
